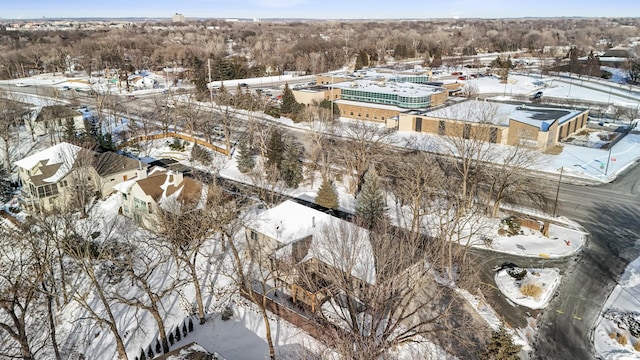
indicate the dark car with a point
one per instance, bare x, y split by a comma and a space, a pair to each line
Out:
504, 265
244, 85
537, 95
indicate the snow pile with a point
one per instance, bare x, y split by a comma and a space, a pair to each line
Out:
617, 333
547, 280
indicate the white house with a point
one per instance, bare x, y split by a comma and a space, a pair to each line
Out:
161, 189
52, 178
291, 236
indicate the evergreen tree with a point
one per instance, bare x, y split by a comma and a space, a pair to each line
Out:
184, 329
501, 347
275, 150
291, 166
69, 132
327, 195
370, 200
245, 159
190, 325
289, 103
326, 104
200, 75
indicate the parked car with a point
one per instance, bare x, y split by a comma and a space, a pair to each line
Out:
21, 84
218, 130
244, 85
537, 95
66, 88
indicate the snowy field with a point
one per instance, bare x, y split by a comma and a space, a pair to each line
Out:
620, 319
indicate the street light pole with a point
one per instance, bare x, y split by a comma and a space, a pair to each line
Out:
555, 205
608, 159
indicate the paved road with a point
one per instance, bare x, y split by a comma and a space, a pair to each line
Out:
610, 213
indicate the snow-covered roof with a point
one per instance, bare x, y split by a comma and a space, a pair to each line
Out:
500, 113
405, 89
335, 242
56, 154
125, 186
56, 161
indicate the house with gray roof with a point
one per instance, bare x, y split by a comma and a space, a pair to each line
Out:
54, 177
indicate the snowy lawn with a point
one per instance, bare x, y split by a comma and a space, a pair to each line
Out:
562, 241
620, 319
541, 282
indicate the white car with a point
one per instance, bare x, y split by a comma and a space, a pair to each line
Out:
20, 84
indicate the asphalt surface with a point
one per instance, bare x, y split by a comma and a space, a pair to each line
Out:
610, 214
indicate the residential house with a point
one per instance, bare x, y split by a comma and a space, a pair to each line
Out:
164, 189
54, 177
54, 119
293, 240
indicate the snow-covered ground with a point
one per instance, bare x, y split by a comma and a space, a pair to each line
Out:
563, 241
621, 316
547, 280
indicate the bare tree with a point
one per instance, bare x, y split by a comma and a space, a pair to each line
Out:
364, 143
468, 141
92, 249
143, 263
187, 230
19, 285
252, 274
380, 293
12, 113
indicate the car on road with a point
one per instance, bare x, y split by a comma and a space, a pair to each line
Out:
21, 84
66, 88
131, 97
537, 95
244, 85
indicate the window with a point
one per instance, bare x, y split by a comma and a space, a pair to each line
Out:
419, 124
125, 208
441, 127
466, 131
366, 115
351, 113
253, 235
382, 117
124, 196
150, 208
139, 205
493, 135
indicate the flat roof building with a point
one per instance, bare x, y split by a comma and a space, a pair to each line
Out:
377, 94
535, 126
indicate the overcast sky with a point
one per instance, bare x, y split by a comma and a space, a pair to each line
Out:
317, 9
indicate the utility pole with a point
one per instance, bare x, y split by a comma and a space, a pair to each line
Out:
555, 205
608, 159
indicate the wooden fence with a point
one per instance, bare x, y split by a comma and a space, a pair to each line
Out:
170, 134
